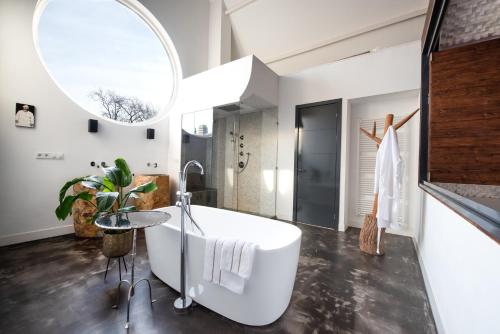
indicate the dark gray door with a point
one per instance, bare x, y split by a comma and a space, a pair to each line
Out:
317, 165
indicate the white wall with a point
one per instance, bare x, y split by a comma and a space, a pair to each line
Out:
186, 22
461, 267
30, 186
386, 71
219, 34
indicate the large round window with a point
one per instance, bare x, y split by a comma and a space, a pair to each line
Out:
113, 58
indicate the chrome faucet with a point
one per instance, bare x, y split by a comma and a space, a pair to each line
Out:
184, 203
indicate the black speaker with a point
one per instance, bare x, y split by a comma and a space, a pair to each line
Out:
150, 133
93, 125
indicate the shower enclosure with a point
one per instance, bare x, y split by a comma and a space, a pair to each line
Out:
237, 145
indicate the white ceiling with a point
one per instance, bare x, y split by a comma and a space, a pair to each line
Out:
273, 28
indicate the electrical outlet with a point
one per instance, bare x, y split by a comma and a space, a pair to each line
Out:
50, 156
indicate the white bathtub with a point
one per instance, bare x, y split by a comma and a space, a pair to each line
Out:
268, 291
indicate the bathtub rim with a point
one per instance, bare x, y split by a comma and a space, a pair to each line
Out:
297, 230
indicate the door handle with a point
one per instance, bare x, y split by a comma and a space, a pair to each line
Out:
300, 170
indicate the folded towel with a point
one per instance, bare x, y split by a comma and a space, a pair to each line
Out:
209, 259
228, 263
246, 260
217, 257
232, 282
235, 267
227, 254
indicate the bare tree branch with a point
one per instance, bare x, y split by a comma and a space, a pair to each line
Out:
122, 108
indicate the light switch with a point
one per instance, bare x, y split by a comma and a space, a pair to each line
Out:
50, 156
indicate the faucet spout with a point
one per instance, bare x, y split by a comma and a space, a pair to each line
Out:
183, 174
192, 163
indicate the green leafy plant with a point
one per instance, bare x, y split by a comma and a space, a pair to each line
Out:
111, 195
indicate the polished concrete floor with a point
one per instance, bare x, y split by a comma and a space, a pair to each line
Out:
56, 286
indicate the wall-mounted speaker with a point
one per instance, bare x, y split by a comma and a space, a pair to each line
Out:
93, 125
150, 133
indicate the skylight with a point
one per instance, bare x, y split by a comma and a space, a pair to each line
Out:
108, 59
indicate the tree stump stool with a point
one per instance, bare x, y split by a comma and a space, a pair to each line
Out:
82, 213
156, 199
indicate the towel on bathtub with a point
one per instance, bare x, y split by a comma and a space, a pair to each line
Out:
209, 263
228, 248
228, 263
246, 260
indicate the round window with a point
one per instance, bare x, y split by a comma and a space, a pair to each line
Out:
113, 58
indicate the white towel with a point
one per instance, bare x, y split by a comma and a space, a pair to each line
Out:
228, 263
232, 282
209, 259
217, 257
227, 254
235, 267
246, 260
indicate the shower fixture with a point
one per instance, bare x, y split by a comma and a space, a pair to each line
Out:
233, 135
242, 164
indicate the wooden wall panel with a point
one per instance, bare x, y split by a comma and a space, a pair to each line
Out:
464, 119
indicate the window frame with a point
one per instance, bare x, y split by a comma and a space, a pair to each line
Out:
156, 27
486, 219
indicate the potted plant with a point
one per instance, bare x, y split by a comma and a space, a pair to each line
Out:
111, 196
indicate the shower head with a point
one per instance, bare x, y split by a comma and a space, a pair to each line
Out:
230, 107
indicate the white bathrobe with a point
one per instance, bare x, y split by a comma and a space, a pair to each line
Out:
388, 180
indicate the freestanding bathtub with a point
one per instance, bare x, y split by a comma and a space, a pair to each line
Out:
267, 292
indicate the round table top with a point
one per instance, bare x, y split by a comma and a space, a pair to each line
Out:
132, 220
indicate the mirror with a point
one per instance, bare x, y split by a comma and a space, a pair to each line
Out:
198, 123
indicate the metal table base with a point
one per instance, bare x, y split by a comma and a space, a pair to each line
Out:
132, 284
132, 220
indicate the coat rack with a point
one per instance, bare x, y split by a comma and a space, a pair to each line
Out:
370, 240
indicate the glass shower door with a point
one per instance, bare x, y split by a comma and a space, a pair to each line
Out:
257, 155
224, 160
244, 155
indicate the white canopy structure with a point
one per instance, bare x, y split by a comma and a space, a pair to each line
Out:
245, 81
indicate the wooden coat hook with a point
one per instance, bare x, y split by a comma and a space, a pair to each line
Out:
369, 231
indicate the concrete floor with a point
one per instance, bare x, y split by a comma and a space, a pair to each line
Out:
56, 286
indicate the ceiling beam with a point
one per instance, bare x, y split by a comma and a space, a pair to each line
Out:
238, 6
355, 33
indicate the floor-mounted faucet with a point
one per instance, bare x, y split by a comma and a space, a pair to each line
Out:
184, 203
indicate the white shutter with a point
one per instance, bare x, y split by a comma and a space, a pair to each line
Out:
367, 152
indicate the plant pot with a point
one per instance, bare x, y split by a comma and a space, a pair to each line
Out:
117, 245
